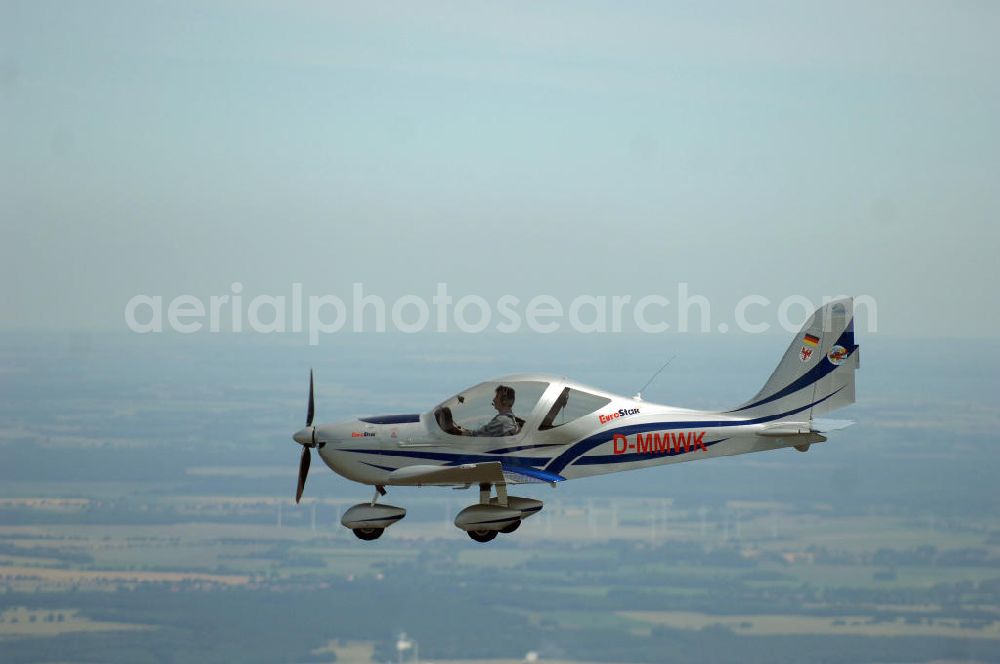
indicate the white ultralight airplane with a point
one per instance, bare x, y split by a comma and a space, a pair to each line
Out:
534, 428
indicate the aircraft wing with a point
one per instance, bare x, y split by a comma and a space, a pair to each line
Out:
493, 472
467, 473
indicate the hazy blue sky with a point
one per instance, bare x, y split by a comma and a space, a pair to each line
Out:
565, 148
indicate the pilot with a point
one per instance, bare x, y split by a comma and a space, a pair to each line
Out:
504, 423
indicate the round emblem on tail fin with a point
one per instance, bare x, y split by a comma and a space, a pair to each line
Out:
837, 355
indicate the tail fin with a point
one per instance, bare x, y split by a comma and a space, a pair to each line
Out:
816, 374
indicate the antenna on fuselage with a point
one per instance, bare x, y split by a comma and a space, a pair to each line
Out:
638, 395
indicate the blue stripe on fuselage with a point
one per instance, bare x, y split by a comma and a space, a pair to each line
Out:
589, 443
452, 458
518, 448
375, 465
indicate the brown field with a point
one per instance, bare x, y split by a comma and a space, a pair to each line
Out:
352, 652
772, 625
67, 576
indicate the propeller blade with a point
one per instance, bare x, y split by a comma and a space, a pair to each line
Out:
312, 403
303, 472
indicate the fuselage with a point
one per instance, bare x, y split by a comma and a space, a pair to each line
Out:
622, 433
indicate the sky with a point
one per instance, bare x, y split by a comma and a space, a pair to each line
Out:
773, 148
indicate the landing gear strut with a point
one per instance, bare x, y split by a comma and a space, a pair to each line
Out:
486, 488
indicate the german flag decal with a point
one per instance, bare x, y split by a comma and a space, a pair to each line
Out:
810, 340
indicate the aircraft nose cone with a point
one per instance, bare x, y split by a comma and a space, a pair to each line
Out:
303, 436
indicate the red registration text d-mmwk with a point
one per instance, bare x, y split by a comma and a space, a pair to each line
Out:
660, 443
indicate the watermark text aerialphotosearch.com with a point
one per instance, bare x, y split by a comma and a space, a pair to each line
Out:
318, 315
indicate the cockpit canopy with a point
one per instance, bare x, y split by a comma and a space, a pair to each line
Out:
490, 409
505, 407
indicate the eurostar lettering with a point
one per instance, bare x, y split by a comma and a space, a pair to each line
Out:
622, 412
657, 443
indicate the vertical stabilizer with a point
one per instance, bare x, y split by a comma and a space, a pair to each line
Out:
816, 374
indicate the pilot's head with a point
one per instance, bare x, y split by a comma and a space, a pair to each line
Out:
504, 398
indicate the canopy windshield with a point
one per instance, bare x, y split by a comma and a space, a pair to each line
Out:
491, 409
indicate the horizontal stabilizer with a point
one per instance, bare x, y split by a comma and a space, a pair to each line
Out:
785, 429
824, 425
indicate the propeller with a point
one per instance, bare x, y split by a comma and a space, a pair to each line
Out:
307, 439
312, 403
304, 462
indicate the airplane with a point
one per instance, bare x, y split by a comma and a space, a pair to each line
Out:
538, 428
